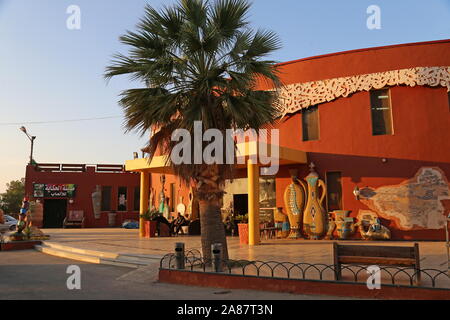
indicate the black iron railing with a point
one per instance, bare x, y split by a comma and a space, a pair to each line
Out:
391, 275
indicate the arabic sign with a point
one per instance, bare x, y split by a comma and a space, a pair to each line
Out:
53, 190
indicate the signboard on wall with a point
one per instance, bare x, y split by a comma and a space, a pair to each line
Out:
267, 198
41, 190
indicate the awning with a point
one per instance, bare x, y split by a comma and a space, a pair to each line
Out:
245, 151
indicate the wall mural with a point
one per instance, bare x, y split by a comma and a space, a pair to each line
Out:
297, 96
414, 204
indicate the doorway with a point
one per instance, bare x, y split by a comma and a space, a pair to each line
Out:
54, 213
240, 204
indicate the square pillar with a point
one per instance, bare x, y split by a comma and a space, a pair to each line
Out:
253, 203
144, 198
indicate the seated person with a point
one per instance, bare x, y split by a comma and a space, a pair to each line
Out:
179, 222
161, 219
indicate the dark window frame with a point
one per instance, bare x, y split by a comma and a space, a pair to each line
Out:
304, 120
126, 198
328, 189
389, 132
137, 200
103, 208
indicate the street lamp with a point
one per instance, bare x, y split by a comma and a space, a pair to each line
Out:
24, 130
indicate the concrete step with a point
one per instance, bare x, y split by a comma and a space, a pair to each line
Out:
67, 254
59, 246
99, 257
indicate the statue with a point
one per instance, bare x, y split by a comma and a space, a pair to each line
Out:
315, 216
370, 228
181, 208
294, 200
162, 196
151, 201
97, 201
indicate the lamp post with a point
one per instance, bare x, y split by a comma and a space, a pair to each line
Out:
24, 130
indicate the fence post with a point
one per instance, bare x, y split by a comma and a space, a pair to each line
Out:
216, 249
179, 255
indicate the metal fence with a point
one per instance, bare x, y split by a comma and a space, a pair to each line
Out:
389, 275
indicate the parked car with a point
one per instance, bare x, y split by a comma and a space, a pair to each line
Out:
10, 223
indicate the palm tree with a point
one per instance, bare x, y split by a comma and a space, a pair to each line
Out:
198, 61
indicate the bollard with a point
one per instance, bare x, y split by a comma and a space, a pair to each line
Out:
179, 255
216, 250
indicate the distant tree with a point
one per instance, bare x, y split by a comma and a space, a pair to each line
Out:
11, 200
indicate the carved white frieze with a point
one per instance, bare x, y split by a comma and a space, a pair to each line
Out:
297, 96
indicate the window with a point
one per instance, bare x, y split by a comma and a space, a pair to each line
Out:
310, 123
106, 198
122, 197
334, 191
380, 106
137, 199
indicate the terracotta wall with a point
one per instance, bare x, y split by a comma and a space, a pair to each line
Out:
421, 116
85, 185
421, 122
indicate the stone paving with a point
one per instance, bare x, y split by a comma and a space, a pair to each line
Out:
433, 253
125, 241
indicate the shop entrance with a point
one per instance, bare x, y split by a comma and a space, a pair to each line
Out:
54, 213
240, 204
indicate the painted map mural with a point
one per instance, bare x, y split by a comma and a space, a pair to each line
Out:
413, 204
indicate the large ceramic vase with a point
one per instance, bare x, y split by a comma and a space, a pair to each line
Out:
315, 217
294, 200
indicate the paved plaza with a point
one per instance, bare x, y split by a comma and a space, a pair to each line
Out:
126, 241
33, 275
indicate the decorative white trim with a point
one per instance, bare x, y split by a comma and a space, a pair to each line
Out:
297, 96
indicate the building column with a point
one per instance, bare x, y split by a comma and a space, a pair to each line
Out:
253, 203
144, 198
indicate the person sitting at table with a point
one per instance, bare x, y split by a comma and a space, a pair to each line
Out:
161, 219
179, 222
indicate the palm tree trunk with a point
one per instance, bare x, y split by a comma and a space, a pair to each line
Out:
212, 227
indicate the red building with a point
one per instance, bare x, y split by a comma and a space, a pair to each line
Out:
375, 119
106, 194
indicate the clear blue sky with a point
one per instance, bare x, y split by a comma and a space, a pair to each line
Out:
48, 72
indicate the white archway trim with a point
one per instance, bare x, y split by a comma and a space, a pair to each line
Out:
297, 96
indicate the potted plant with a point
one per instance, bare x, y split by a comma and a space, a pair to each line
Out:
243, 228
149, 224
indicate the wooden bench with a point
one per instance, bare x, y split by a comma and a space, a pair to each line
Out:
376, 255
74, 219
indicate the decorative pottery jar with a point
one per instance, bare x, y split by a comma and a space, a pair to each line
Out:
315, 218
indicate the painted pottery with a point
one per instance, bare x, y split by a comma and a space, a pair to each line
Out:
294, 200
281, 223
345, 226
330, 228
371, 228
315, 217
